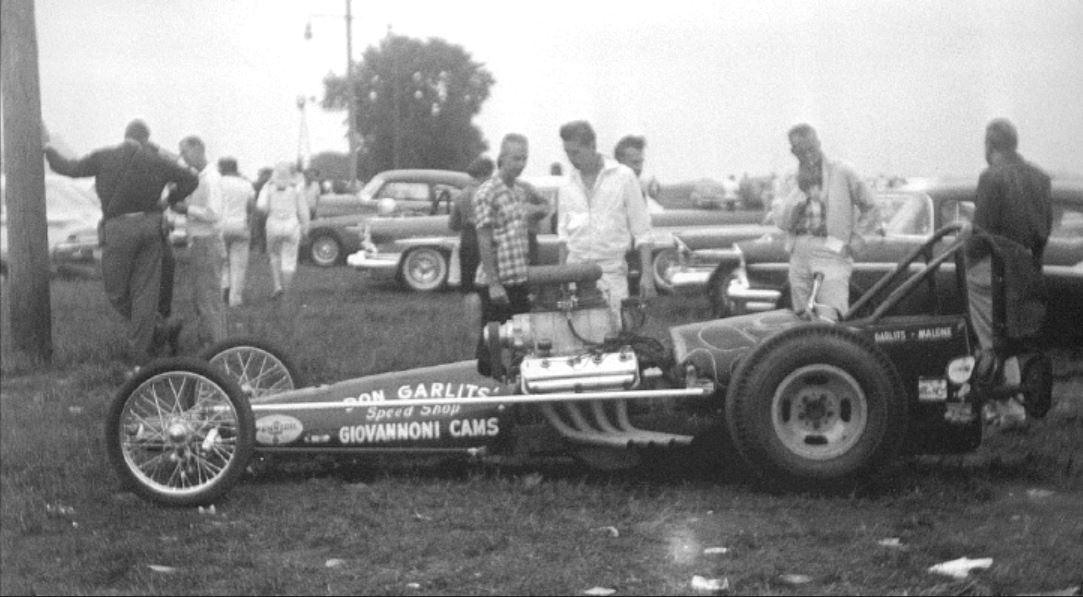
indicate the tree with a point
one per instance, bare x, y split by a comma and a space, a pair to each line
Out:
415, 104
334, 165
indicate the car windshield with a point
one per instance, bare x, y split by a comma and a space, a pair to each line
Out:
905, 214
370, 188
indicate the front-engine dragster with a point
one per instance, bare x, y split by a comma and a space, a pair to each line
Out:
806, 404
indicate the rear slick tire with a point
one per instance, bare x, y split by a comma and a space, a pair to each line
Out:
817, 407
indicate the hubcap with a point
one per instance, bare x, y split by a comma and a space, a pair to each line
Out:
819, 412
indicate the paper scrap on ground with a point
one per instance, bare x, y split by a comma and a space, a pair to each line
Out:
162, 569
334, 563
599, 591
890, 542
714, 551
795, 579
612, 531
962, 567
710, 585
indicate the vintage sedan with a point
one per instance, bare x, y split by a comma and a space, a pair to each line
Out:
422, 252
72, 212
752, 275
331, 239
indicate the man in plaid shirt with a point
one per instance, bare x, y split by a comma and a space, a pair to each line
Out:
502, 211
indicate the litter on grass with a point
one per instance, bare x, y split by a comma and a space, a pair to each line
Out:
962, 567
710, 585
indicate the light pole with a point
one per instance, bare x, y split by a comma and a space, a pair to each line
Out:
351, 100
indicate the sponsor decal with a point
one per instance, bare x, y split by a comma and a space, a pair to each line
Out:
398, 431
317, 439
932, 389
937, 333
917, 335
891, 336
277, 429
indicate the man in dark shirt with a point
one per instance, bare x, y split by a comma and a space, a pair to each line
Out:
1014, 201
129, 179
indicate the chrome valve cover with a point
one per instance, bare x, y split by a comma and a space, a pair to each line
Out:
583, 372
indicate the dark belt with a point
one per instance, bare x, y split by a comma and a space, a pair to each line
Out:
133, 213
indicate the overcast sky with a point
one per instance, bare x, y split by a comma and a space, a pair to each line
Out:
897, 87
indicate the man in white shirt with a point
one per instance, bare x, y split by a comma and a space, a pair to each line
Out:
601, 211
205, 249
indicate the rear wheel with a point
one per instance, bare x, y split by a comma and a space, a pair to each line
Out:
180, 433
257, 366
816, 406
424, 269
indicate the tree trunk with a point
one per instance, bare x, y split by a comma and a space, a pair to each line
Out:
28, 248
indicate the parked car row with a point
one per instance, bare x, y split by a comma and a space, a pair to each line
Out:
752, 275
336, 231
421, 252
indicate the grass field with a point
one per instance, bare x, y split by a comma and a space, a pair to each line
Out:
404, 526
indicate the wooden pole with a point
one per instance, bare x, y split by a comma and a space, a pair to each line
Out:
27, 298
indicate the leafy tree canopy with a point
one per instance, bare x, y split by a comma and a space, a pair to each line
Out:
416, 101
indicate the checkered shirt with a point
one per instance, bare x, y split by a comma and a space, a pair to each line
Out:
500, 208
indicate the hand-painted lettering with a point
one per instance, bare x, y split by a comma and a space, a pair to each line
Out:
475, 427
374, 396
379, 413
439, 410
438, 389
389, 432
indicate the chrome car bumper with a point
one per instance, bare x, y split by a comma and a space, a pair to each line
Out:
377, 264
746, 299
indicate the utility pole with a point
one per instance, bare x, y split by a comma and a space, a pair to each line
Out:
351, 110
27, 298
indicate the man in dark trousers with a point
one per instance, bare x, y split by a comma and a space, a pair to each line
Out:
1014, 201
129, 180
461, 220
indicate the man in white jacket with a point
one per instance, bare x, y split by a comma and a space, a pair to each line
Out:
238, 202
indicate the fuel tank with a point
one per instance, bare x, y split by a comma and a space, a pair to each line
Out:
715, 346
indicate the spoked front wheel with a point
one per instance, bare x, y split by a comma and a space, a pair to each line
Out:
180, 432
258, 367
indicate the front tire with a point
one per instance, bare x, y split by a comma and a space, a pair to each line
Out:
258, 367
180, 433
424, 269
325, 250
816, 406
